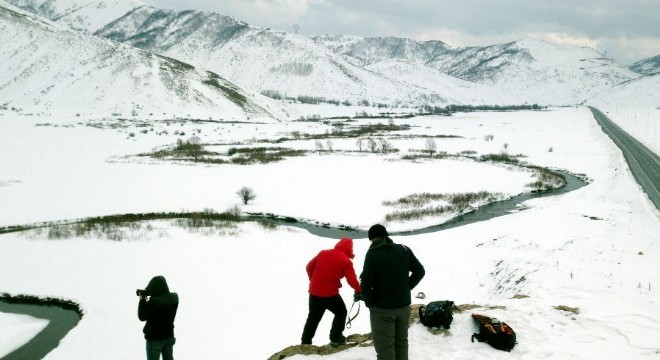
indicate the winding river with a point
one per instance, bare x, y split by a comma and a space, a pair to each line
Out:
61, 320
486, 212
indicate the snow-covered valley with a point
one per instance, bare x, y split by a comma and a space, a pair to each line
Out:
591, 249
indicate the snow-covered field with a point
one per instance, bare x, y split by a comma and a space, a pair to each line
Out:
243, 287
16, 330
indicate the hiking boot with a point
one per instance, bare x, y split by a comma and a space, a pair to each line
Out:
337, 342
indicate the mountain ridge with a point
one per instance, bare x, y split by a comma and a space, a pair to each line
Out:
53, 70
353, 69
648, 66
260, 58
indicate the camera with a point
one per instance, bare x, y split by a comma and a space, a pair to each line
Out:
142, 292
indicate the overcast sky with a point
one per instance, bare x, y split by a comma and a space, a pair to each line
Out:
626, 30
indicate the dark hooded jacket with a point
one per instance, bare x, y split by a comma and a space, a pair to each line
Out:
326, 270
390, 271
159, 311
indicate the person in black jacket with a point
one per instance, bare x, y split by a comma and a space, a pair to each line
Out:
390, 271
159, 311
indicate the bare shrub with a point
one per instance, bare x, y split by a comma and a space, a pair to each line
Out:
417, 206
235, 211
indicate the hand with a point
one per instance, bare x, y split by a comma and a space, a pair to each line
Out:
357, 297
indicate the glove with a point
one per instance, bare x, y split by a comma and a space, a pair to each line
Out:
357, 297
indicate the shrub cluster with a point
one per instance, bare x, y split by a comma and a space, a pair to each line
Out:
546, 180
450, 109
262, 155
117, 227
416, 206
502, 157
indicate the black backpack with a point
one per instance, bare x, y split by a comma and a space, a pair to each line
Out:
437, 313
497, 334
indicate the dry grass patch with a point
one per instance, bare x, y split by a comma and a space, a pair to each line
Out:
569, 309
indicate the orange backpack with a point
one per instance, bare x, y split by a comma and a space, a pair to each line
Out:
497, 334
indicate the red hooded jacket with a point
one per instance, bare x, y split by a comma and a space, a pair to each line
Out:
327, 268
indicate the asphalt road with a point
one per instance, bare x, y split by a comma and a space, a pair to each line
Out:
644, 163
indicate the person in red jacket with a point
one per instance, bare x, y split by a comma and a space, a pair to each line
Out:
325, 272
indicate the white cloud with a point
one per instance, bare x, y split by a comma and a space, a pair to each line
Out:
565, 39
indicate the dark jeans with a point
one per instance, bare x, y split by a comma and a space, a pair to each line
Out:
389, 329
317, 306
157, 347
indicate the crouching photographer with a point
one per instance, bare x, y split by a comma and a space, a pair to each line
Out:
158, 307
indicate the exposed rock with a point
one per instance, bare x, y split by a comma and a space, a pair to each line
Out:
365, 339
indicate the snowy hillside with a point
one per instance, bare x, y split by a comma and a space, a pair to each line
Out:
52, 70
640, 93
529, 70
85, 15
647, 66
364, 51
463, 91
635, 107
259, 58
536, 70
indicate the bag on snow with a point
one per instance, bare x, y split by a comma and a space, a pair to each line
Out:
496, 333
436, 314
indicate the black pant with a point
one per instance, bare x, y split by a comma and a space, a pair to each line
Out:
317, 306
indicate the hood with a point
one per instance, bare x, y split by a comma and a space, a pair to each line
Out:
158, 286
380, 242
345, 245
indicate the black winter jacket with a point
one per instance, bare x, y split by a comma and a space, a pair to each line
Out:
390, 271
159, 311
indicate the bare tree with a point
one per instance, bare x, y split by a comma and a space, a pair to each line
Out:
319, 145
431, 146
359, 144
385, 145
371, 144
246, 194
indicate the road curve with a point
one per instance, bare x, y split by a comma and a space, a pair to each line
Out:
644, 163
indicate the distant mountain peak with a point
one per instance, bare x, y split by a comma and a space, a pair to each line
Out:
649, 66
83, 15
46, 69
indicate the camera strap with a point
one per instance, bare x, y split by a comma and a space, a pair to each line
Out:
350, 319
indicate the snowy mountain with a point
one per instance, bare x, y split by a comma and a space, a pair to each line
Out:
337, 68
84, 15
259, 58
48, 69
647, 66
529, 70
